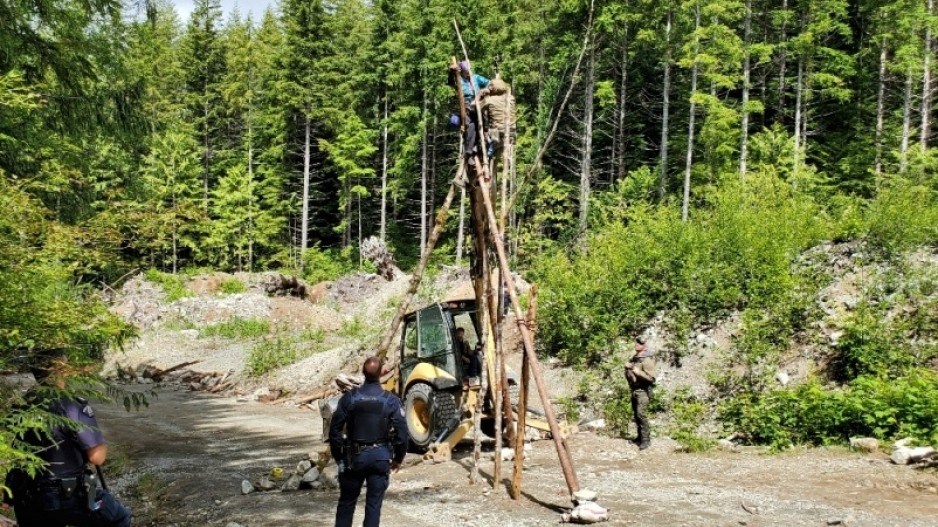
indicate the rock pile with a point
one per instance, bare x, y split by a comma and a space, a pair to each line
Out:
311, 473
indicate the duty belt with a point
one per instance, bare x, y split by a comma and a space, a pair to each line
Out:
360, 447
66, 486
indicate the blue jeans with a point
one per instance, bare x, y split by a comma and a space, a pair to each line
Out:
373, 466
72, 511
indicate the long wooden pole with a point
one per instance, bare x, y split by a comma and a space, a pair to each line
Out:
498, 394
414, 283
479, 270
506, 159
566, 464
523, 402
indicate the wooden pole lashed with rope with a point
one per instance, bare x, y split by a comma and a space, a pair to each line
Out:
481, 184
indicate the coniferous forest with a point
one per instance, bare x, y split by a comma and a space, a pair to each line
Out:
673, 158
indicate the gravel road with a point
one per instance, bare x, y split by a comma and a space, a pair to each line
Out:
195, 449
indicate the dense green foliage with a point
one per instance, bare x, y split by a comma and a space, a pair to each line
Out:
737, 253
884, 366
870, 406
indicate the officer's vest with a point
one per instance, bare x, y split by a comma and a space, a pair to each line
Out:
368, 421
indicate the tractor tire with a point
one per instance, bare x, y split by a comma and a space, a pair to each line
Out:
428, 412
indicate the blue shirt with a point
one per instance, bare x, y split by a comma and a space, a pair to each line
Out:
469, 90
65, 455
395, 419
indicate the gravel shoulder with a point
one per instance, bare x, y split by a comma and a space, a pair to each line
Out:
195, 449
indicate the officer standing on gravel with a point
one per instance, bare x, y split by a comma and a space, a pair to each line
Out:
69, 491
374, 444
640, 372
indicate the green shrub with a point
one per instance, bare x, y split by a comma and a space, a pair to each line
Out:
878, 406
271, 354
325, 264
688, 412
736, 252
174, 286
237, 328
313, 336
617, 409
232, 286
569, 408
353, 328
903, 215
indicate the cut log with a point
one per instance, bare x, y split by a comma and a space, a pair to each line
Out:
321, 393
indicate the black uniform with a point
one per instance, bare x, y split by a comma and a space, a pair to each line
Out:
57, 498
375, 434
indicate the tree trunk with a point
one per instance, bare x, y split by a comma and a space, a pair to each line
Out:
384, 170
880, 105
798, 97
690, 119
361, 261
206, 163
423, 177
304, 227
507, 160
926, 80
347, 233
906, 123
431, 172
744, 129
175, 218
619, 151
666, 99
783, 60
586, 160
250, 192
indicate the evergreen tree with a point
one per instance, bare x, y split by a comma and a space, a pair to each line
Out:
204, 62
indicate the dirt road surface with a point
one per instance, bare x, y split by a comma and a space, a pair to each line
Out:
188, 453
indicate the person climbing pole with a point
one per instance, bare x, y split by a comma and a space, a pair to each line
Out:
469, 84
498, 112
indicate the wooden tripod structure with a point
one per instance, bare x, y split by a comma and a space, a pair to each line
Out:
488, 233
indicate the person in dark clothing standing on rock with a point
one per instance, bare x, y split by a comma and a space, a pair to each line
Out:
68, 492
373, 444
640, 372
472, 364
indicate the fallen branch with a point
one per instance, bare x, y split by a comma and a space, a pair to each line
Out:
176, 367
321, 393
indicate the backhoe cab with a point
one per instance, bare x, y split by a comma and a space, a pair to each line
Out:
430, 374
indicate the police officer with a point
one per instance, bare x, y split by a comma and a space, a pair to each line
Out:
640, 372
374, 443
67, 493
